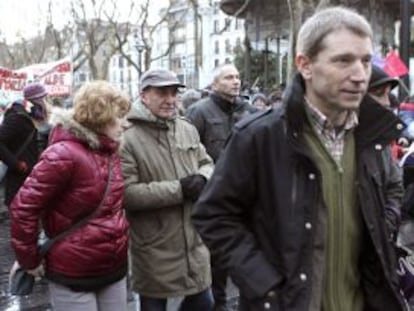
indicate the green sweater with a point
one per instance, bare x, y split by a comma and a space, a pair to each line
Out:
339, 285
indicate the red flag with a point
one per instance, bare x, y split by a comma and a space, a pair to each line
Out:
394, 66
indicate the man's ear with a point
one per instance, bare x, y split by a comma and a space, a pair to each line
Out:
304, 65
143, 96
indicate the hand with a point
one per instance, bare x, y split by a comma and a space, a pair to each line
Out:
37, 272
192, 186
22, 167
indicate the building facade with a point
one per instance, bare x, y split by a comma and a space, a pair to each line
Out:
199, 44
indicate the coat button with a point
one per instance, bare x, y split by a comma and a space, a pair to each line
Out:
311, 176
303, 277
378, 147
266, 305
400, 126
308, 226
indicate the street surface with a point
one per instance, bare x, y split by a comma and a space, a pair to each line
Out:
39, 299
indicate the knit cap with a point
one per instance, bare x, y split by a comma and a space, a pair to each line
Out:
34, 92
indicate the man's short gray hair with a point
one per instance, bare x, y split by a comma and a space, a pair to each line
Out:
326, 21
219, 70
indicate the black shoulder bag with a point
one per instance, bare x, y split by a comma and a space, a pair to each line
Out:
21, 282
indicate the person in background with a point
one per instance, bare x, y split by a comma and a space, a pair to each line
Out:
189, 97
21, 122
276, 99
381, 85
165, 168
214, 117
260, 101
87, 269
309, 230
379, 88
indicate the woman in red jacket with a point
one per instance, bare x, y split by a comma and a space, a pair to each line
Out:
87, 268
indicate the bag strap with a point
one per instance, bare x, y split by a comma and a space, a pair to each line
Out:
48, 244
26, 143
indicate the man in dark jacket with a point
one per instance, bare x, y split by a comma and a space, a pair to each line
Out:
214, 117
295, 209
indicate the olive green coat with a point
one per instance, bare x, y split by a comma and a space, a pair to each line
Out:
167, 255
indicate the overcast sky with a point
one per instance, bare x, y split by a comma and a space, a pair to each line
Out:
28, 16
25, 17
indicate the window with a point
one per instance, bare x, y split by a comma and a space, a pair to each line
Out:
176, 64
238, 42
120, 62
227, 23
239, 24
216, 8
179, 34
216, 26
227, 46
227, 60
216, 63
216, 47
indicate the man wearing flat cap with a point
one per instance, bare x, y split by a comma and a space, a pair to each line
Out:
165, 169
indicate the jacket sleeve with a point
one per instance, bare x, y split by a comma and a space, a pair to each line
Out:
45, 182
223, 217
205, 162
195, 115
394, 191
141, 195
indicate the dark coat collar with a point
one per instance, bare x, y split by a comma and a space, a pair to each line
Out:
223, 103
377, 125
230, 107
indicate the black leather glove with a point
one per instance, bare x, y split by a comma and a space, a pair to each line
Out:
192, 186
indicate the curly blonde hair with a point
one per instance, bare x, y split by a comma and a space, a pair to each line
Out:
99, 103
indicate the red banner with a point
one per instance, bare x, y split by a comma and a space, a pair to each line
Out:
394, 66
56, 76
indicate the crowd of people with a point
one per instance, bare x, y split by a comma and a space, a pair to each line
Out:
296, 197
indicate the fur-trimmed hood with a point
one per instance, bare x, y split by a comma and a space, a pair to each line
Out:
66, 128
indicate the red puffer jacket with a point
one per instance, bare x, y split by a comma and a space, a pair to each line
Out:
67, 184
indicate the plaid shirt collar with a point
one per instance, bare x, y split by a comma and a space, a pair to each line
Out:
332, 137
325, 127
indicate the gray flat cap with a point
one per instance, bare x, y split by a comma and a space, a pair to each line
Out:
159, 78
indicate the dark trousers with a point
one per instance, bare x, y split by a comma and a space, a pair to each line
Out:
199, 302
219, 285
